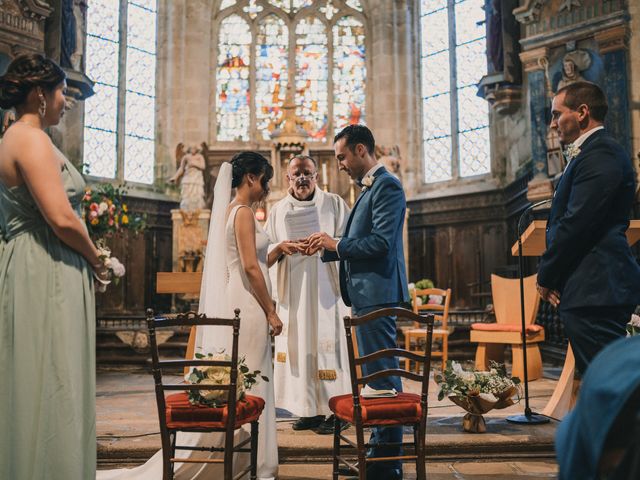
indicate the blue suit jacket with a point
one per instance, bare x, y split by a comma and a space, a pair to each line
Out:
588, 259
371, 253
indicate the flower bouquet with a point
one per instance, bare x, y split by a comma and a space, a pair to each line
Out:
424, 299
633, 327
478, 392
220, 376
105, 214
114, 266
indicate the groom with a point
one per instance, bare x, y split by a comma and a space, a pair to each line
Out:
372, 269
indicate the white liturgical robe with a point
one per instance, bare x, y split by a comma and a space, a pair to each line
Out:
311, 362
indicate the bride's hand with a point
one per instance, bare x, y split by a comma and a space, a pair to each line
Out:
275, 323
288, 247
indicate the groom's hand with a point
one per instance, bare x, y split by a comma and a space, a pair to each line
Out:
320, 240
548, 295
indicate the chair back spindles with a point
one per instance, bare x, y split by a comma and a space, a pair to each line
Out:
224, 419
361, 417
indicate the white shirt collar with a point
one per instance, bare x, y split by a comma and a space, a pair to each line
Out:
373, 170
581, 139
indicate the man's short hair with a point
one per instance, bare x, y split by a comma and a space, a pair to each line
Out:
303, 157
586, 93
355, 134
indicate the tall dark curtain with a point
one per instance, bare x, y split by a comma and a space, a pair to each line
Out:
68, 35
495, 50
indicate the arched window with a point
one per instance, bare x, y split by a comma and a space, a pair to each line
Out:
119, 126
315, 47
455, 120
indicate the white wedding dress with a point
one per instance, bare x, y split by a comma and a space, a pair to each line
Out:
254, 345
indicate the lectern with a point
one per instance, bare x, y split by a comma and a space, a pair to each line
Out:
534, 244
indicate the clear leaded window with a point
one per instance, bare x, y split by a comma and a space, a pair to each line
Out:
455, 120
119, 125
316, 47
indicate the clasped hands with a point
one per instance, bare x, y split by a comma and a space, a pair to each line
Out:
310, 245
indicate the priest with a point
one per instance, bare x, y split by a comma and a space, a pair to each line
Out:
311, 362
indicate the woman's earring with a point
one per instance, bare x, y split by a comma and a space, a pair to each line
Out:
42, 109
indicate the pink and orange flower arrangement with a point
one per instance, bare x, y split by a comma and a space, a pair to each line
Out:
105, 214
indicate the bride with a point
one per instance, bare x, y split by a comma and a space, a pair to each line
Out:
235, 276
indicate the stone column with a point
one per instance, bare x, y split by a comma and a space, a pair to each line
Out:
534, 62
393, 98
613, 45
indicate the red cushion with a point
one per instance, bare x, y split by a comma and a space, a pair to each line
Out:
181, 414
505, 327
405, 408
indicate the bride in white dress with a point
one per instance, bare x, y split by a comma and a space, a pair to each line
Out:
235, 276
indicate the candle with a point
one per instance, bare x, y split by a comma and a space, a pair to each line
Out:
325, 178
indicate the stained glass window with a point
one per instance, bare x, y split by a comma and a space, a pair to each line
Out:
101, 109
139, 143
291, 5
250, 97
298, 4
355, 4
312, 76
232, 91
349, 73
473, 122
106, 124
271, 72
453, 145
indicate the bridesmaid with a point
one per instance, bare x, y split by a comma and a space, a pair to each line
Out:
47, 314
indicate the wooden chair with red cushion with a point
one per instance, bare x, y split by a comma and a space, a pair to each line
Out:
404, 409
492, 337
177, 414
415, 335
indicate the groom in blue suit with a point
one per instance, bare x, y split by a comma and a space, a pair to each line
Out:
372, 269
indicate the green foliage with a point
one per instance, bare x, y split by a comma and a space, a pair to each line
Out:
457, 381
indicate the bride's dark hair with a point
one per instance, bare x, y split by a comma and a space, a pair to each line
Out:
250, 162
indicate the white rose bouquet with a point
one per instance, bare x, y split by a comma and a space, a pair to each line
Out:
220, 376
478, 392
114, 266
633, 327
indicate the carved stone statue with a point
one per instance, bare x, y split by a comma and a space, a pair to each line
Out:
573, 63
190, 176
390, 158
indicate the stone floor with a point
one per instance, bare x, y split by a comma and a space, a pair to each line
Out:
478, 470
127, 428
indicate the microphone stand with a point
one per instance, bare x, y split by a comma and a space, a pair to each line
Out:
529, 418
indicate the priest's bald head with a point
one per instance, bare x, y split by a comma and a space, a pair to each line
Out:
302, 174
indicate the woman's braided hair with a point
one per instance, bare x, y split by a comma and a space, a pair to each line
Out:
26, 72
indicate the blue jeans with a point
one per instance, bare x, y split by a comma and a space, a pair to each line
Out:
373, 336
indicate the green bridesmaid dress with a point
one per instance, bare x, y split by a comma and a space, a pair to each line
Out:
47, 344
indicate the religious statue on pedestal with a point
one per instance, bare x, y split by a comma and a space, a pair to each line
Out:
190, 176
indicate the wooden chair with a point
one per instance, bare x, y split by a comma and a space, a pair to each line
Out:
405, 409
176, 414
441, 314
181, 282
492, 337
